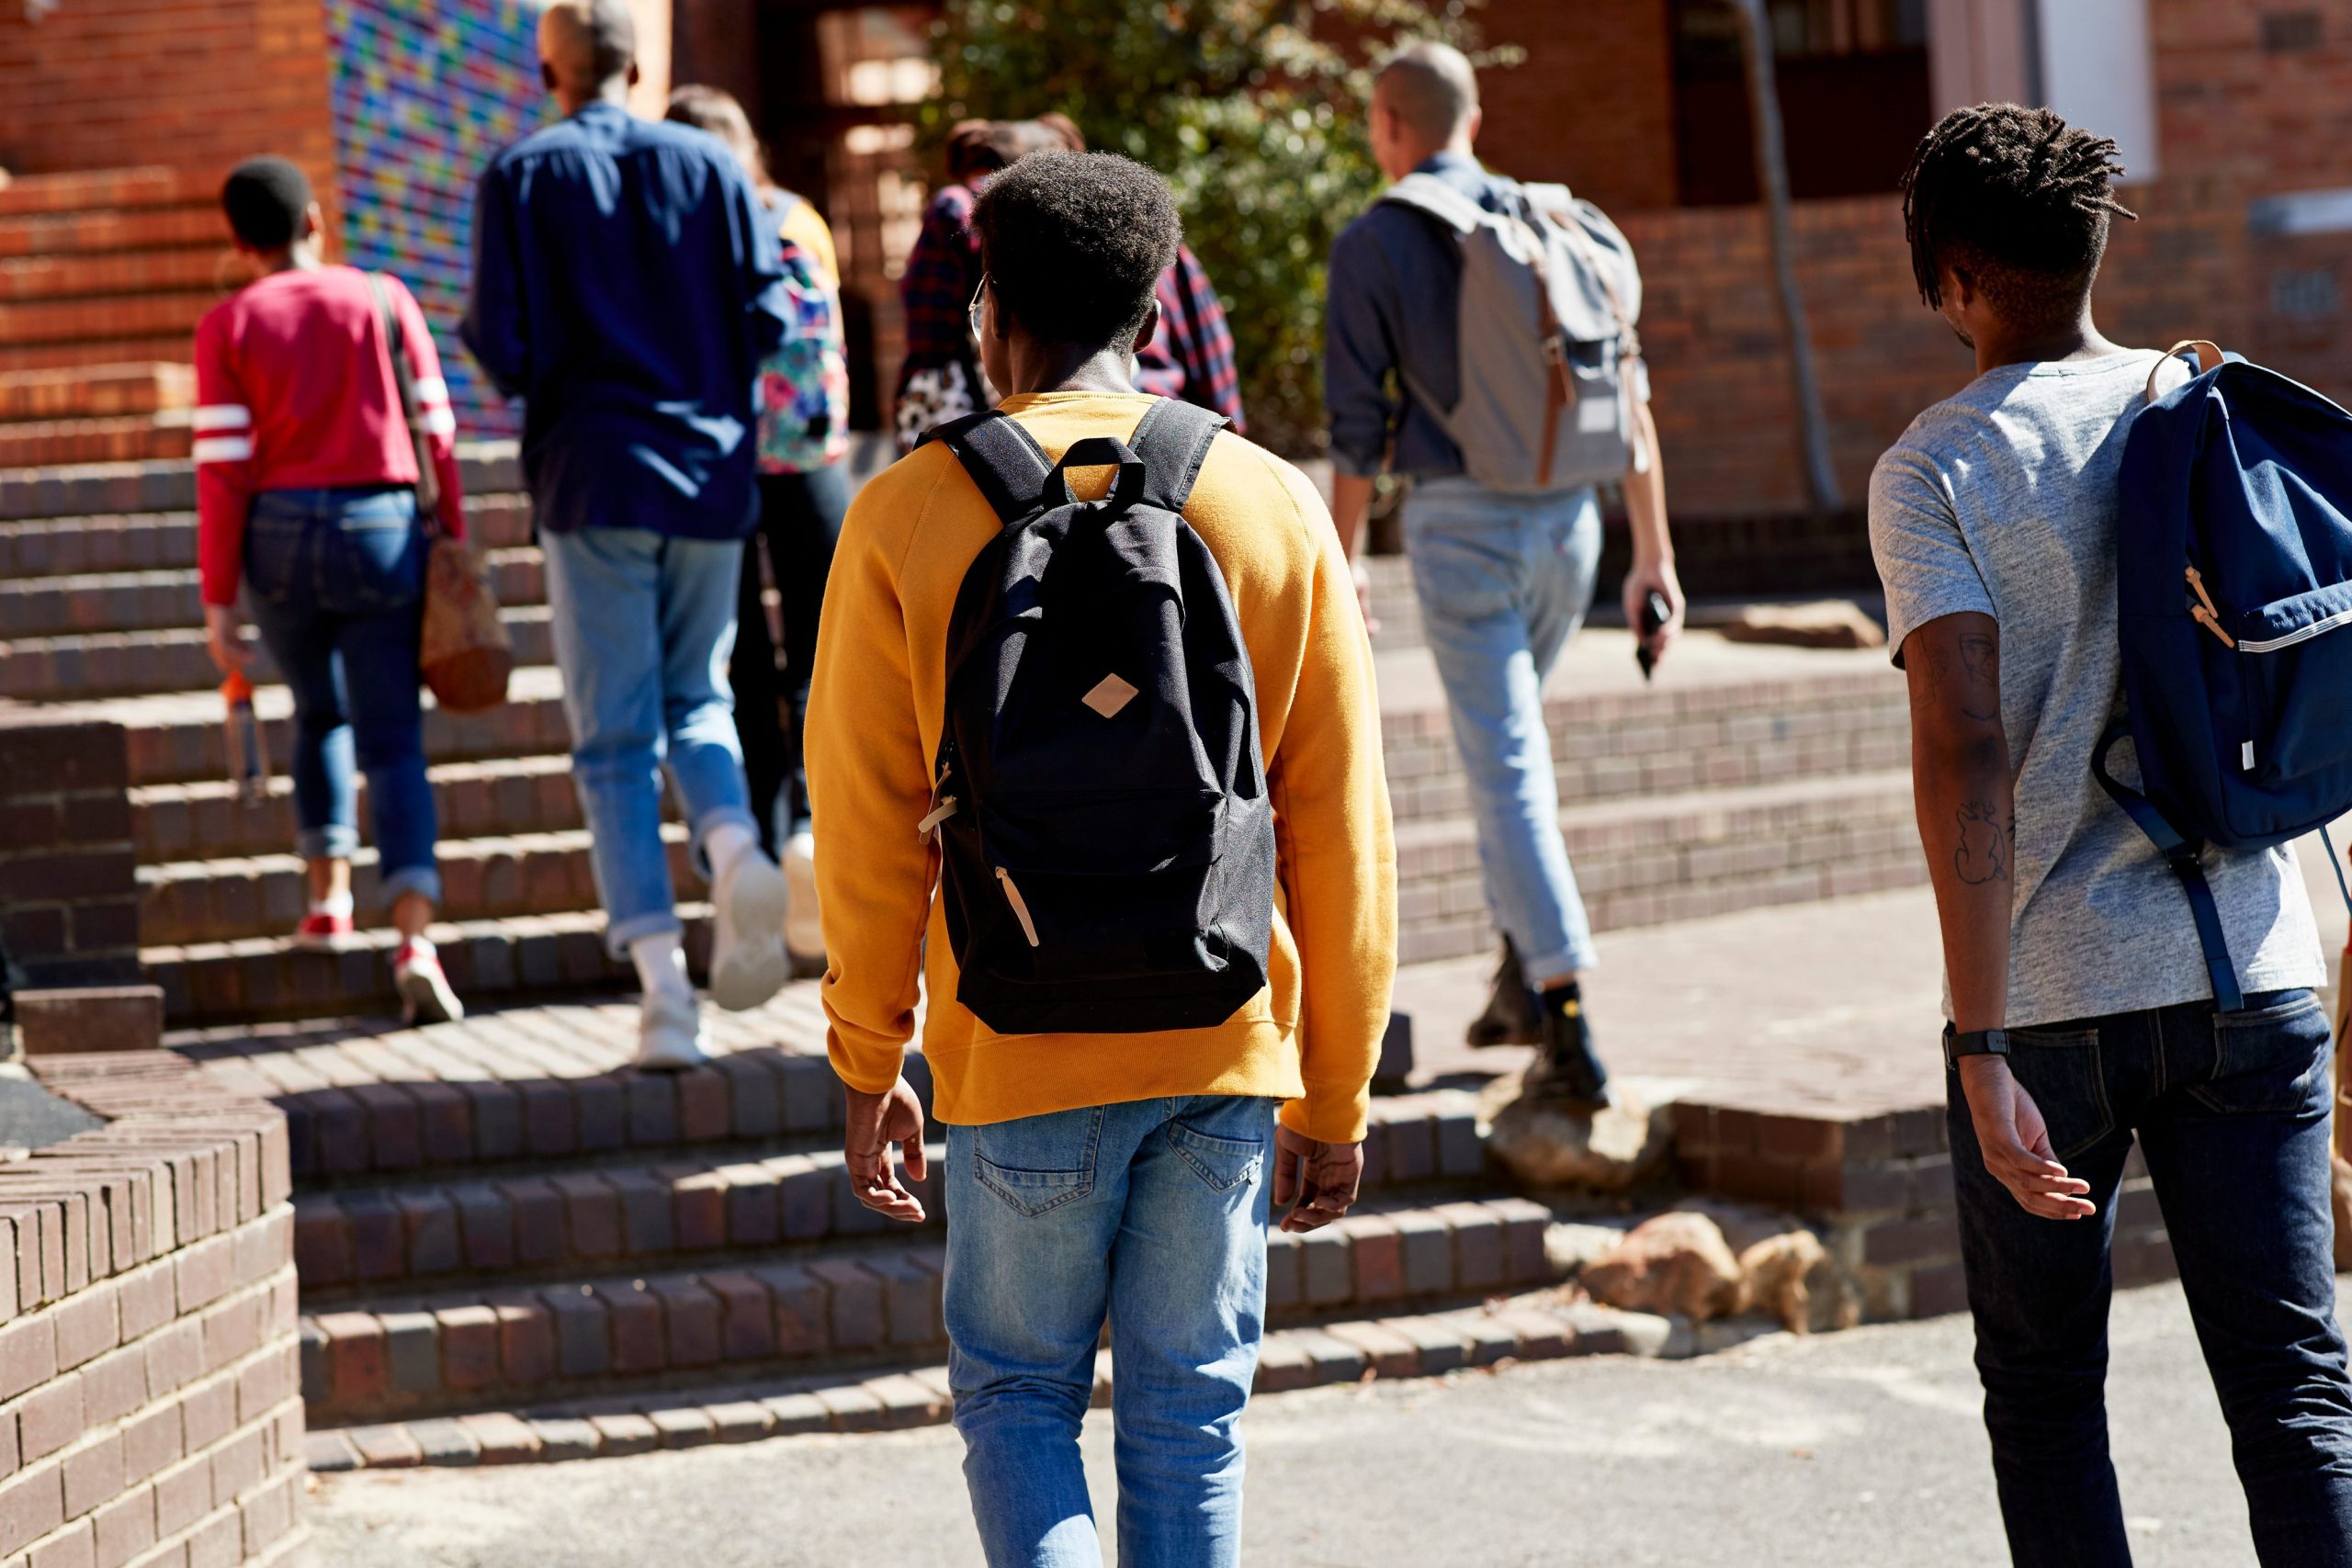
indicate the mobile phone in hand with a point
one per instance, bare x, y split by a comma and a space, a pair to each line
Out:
1656, 613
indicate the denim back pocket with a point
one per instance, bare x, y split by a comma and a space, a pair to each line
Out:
2062, 1070
279, 563
375, 555
1037, 1163
2271, 1059
1223, 1163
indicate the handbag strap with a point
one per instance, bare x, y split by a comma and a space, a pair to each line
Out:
428, 483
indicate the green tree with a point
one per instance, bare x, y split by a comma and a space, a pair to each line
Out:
1253, 109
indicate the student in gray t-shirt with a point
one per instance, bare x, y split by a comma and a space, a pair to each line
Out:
2080, 1013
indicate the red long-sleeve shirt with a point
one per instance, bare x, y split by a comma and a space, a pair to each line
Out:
295, 391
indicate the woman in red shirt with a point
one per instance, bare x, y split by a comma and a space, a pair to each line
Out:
306, 475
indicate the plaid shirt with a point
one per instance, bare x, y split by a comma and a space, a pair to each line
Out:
1191, 355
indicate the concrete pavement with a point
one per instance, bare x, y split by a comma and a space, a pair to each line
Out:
1860, 1448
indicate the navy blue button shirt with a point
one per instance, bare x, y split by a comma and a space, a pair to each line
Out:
1396, 274
627, 288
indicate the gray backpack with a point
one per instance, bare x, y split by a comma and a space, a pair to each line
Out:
1549, 299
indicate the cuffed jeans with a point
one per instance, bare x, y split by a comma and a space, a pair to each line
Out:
2232, 1114
336, 585
1504, 580
1153, 1213
644, 625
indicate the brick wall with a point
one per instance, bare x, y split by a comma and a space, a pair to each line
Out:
1603, 69
150, 1404
109, 83
69, 894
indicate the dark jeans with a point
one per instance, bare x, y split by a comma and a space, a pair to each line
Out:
336, 584
2232, 1114
800, 519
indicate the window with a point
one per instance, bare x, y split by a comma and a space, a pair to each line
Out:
1853, 88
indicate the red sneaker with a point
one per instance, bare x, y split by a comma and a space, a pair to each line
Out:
425, 995
319, 932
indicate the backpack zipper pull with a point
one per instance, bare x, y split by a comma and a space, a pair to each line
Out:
2203, 613
1020, 905
939, 813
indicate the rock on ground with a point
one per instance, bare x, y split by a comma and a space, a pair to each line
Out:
1676, 1263
1543, 1144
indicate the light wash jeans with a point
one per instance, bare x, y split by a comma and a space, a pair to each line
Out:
644, 625
335, 580
1504, 580
1153, 1213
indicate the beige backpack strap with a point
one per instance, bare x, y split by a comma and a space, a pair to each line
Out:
2209, 358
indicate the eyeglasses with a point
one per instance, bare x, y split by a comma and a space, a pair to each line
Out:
975, 313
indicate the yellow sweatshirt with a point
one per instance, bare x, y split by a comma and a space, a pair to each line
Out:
1313, 1035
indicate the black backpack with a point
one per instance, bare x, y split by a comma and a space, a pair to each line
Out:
1107, 847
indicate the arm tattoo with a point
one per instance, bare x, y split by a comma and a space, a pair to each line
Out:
1935, 667
1982, 654
1985, 841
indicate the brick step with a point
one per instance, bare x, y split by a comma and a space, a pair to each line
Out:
692, 1205
108, 664
104, 233
186, 903
177, 737
1724, 734
109, 439
88, 190
129, 317
521, 795
95, 604
262, 979
1532, 1326
87, 275
178, 348
1645, 862
162, 541
103, 390
872, 1302
94, 489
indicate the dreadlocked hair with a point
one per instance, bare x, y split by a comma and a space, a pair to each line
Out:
2017, 197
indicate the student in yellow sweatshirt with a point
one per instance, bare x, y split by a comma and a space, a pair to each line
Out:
1093, 1175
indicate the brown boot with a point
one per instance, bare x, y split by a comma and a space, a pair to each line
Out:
1511, 1018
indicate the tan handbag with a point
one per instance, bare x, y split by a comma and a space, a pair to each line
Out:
466, 656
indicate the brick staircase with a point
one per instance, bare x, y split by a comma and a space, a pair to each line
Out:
105, 267
512, 1246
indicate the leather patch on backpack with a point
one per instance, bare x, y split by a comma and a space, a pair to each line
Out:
1109, 696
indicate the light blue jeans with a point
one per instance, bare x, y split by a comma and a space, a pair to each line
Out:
1504, 580
644, 625
1154, 1213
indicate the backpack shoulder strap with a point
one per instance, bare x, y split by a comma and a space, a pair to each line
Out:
1003, 459
1426, 193
2181, 854
1173, 440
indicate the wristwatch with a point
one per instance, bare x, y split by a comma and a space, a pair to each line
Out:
1975, 1043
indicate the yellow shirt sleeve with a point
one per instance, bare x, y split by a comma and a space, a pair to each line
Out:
1336, 846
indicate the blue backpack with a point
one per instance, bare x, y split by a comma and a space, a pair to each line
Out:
2234, 583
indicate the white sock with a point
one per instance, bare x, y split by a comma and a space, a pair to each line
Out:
660, 964
334, 904
724, 845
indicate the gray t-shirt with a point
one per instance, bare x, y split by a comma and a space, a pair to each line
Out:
2002, 499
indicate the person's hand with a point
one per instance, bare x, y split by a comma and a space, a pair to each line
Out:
1643, 579
1363, 573
877, 1122
226, 641
1333, 1172
2015, 1142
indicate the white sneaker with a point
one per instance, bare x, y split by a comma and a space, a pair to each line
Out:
669, 1033
746, 959
425, 995
804, 934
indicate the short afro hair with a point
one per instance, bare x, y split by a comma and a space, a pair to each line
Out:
2019, 198
1074, 243
264, 199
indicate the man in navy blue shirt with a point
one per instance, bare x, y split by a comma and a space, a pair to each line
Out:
627, 289
1504, 577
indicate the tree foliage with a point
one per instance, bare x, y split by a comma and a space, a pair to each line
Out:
1253, 109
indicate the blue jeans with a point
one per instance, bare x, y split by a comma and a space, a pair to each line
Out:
2232, 1113
336, 585
1504, 581
1154, 1213
644, 625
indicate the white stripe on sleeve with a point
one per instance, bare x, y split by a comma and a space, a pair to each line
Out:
431, 389
224, 449
438, 422
222, 416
